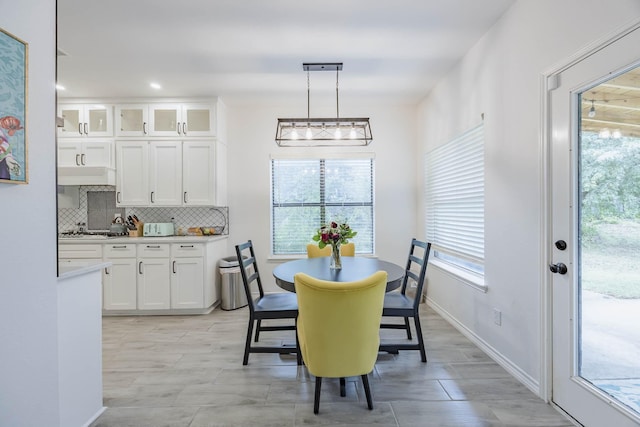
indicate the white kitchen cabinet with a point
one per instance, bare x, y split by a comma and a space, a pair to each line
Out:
221, 174
187, 276
90, 152
199, 173
132, 120
168, 173
165, 173
154, 280
75, 256
119, 282
85, 120
132, 173
185, 119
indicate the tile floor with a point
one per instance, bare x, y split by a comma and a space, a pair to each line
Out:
187, 371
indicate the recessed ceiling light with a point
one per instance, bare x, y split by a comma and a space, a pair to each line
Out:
60, 87
155, 85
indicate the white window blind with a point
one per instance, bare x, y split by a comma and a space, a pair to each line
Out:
306, 193
454, 175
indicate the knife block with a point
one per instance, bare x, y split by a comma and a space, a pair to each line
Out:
138, 231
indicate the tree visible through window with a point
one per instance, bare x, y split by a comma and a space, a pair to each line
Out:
306, 193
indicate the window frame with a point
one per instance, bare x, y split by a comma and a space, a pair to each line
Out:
368, 156
466, 155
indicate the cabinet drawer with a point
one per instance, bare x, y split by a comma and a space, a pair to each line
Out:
187, 250
79, 251
119, 250
154, 250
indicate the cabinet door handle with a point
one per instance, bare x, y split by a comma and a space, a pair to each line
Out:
178, 128
152, 201
86, 129
174, 267
140, 267
186, 246
118, 197
77, 159
184, 128
184, 197
119, 247
82, 159
153, 246
106, 270
80, 128
144, 128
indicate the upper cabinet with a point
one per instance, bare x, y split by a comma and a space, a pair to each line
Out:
85, 120
132, 120
197, 119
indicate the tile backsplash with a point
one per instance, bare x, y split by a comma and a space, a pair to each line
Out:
96, 208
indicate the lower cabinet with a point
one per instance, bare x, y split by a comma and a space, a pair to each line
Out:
119, 281
153, 277
187, 275
166, 277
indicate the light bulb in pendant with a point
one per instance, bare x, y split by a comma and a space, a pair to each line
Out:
294, 133
338, 134
308, 134
592, 110
352, 133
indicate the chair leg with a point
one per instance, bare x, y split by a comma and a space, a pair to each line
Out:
258, 323
343, 387
367, 391
423, 352
247, 345
408, 328
298, 351
316, 399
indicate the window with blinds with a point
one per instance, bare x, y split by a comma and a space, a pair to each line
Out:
454, 185
306, 193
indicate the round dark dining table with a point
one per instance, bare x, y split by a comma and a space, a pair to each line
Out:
353, 268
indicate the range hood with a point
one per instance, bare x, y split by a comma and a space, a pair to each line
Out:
86, 175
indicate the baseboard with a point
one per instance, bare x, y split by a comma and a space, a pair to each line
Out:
498, 357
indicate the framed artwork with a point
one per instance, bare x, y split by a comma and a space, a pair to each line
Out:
13, 109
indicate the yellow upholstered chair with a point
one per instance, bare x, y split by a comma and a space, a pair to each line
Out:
339, 328
313, 251
348, 249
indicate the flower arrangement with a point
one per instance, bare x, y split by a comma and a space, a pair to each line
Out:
335, 234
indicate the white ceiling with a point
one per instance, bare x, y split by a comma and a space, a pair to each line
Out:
252, 49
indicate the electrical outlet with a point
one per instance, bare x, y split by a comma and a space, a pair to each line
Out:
497, 317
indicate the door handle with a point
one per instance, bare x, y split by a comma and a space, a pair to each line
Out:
144, 128
86, 129
184, 128
174, 267
82, 159
559, 268
77, 159
140, 267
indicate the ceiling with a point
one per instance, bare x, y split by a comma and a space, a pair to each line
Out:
616, 105
253, 50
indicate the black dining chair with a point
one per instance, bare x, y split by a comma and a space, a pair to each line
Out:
265, 306
399, 304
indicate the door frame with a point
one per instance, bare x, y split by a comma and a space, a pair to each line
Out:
549, 80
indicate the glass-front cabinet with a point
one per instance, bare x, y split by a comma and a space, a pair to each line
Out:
132, 120
182, 119
85, 120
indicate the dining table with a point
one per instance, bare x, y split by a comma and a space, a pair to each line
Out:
353, 268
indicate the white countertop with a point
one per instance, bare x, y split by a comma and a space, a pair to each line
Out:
126, 239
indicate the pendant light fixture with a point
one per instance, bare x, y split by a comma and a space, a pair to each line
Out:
313, 132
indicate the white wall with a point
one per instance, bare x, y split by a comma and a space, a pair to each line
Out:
251, 143
28, 285
500, 77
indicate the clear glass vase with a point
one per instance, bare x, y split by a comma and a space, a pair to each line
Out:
336, 262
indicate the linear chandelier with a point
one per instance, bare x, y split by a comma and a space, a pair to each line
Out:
314, 132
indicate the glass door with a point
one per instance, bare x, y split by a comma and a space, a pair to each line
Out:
595, 208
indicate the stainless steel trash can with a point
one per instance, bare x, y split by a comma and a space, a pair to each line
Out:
233, 295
